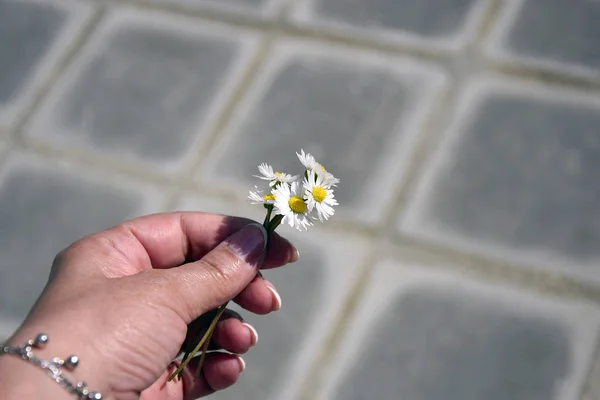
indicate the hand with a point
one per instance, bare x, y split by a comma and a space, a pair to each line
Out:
117, 300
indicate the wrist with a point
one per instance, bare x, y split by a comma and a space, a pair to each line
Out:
22, 379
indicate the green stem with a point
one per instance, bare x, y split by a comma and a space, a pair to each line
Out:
211, 329
274, 223
202, 344
269, 208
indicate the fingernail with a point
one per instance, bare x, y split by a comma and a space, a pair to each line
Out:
242, 363
276, 295
252, 332
249, 243
295, 253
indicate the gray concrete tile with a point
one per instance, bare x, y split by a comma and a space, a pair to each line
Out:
356, 112
422, 334
35, 34
312, 292
433, 22
555, 34
44, 207
515, 179
145, 89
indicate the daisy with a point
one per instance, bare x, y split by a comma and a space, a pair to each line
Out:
268, 174
309, 161
257, 196
318, 194
290, 204
311, 164
328, 179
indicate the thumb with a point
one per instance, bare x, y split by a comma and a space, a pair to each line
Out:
219, 276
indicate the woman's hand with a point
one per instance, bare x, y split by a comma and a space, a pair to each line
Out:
122, 300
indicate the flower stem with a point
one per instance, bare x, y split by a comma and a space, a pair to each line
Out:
274, 223
269, 208
202, 344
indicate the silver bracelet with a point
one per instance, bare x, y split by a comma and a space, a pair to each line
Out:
54, 368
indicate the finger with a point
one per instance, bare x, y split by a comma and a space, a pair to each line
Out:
234, 336
168, 240
220, 370
259, 297
242, 333
198, 327
195, 288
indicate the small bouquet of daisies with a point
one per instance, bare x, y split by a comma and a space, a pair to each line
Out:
295, 200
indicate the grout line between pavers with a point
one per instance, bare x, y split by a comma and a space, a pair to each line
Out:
57, 71
544, 76
427, 133
489, 19
549, 282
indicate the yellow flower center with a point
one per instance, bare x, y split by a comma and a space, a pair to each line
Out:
319, 193
278, 174
297, 204
268, 197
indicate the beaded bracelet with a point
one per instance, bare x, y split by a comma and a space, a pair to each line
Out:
54, 368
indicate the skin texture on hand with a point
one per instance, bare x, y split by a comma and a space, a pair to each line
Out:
123, 299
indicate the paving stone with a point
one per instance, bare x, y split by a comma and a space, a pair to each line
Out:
311, 289
430, 336
145, 88
438, 21
356, 112
34, 34
515, 179
44, 207
550, 33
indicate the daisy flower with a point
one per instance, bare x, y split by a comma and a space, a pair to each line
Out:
308, 160
257, 196
318, 194
312, 165
328, 179
291, 206
268, 174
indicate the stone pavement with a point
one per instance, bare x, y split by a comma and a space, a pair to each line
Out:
463, 262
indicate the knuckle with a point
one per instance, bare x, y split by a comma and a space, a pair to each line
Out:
63, 256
